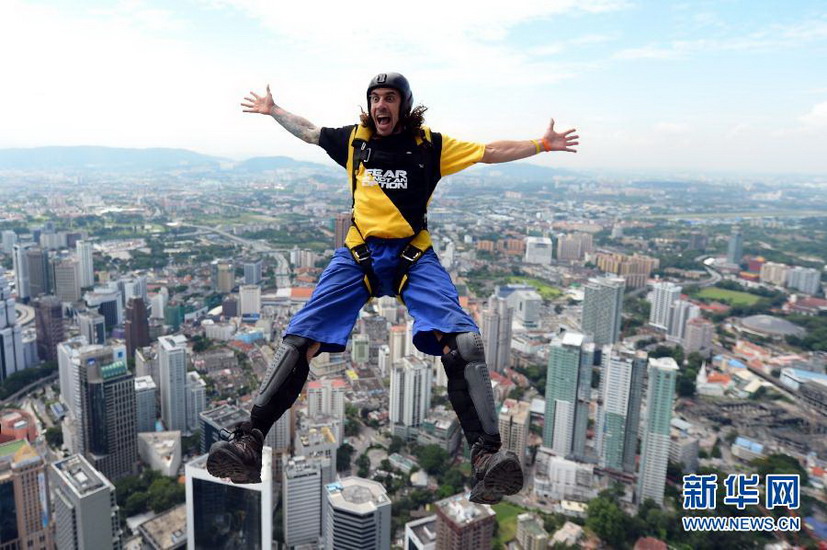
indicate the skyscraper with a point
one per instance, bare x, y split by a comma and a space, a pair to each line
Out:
514, 420
146, 407
48, 317
136, 325
39, 279
196, 400
602, 308
67, 280
86, 268
360, 348
86, 515
302, 501
20, 264
699, 333
410, 396
224, 417
26, 519
326, 397
574, 247
12, 354
9, 240
109, 430
223, 276
172, 370
662, 297
341, 228
568, 389
93, 326
618, 419
735, 248
463, 525
252, 272
221, 514
654, 456
805, 279
538, 250
682, 312
496, 333
249, 300
358, 515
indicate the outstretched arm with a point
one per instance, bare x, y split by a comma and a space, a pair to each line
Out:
506, 151
296, 125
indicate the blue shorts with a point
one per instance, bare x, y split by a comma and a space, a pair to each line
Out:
430, 295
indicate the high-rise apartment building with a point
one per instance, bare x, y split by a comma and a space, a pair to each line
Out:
634, 269
224, 417
514, 422
221, 514
660, 397
223, 276
568, 391
662, 297
86, 514
774, 273
805, 279
358, 515
48, 318
463, 525
26, 518
172, 371
618, 419
574, 247
602, 309
410, 396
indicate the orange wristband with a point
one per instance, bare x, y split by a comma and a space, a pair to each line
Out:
546, 145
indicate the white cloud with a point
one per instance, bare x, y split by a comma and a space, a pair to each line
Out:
671, 128
817, 116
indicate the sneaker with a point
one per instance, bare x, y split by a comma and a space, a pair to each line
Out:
497, 473
238, 455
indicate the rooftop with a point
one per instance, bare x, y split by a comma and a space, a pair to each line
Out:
462, 511
768, 324
167, 530
357, 495
80, 476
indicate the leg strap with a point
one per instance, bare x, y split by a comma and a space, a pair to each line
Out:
282, 384
469, 387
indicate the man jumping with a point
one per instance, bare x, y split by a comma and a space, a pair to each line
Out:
394, 163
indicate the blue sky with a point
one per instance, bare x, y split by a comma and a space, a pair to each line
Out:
704, 87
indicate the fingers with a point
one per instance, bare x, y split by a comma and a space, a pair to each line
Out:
570, 150
255, 95
567, 132
551, 126
268, 90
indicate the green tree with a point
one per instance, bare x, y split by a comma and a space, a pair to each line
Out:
433, 459
343, 456
54, 437
608, 521
363, 465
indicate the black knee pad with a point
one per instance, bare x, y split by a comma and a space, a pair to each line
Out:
291, 352
469, 385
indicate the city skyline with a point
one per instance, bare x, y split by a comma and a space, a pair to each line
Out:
695, 87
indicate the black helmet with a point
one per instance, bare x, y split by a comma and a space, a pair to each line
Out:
397, 82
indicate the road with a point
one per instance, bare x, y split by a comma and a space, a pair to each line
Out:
282, 265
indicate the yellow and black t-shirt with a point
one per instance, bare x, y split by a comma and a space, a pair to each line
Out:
395, 185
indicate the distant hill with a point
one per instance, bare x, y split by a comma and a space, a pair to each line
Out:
96, 158
262, 164
520, 171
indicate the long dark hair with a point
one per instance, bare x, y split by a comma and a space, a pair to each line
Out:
411, 124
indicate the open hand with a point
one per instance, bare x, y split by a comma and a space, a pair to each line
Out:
259, 104
560, 142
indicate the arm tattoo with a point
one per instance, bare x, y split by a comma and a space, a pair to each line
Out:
296, 125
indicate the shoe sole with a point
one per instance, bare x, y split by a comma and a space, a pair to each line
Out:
505, 476
222, 463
